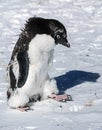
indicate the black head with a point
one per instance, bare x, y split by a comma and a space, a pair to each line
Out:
37, 25
59, 32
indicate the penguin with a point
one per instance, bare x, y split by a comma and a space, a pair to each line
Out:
30, 61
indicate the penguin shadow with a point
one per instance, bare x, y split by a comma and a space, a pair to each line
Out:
73, 78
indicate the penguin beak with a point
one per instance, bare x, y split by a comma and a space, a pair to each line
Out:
66, 43
62, 41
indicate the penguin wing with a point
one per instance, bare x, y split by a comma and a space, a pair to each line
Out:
19, 64
23, 62
18, 70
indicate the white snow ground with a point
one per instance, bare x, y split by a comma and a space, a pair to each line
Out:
78, 70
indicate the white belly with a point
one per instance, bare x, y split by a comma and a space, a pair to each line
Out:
40, 52
36, 78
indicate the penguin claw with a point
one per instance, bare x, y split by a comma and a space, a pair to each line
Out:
61, 98
23, 109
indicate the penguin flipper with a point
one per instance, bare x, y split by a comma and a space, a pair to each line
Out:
23, 62
18, 70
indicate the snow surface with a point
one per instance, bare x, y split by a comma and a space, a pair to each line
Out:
78, 70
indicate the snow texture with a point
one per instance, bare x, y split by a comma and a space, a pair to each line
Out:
77, 70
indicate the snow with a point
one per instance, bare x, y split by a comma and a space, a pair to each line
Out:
78, 70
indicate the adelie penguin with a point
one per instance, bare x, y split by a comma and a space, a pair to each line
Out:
31, 58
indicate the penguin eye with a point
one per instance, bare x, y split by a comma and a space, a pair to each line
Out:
58, 36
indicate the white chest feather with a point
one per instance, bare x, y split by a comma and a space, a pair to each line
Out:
40, 54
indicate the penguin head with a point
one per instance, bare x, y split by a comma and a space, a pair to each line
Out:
59, 33
52, 27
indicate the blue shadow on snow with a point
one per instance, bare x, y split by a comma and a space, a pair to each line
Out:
75, 77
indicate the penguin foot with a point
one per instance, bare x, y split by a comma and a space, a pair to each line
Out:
23, 109
61, 98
